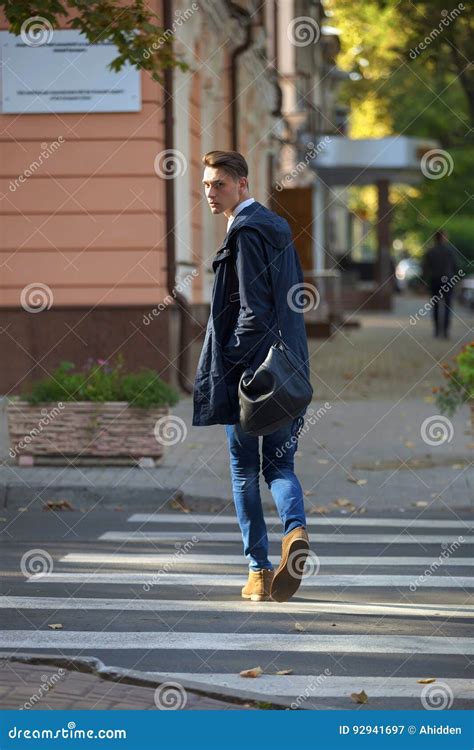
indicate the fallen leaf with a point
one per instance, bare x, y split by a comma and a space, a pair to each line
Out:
457, 466
284, 671
362, 510
342, 501
323, 461
427, 680
178, 503
55, 626
255, 672
348, 507
58, 505
350, 478
319, 509
420, 504
360, 697
409, 444
299, 627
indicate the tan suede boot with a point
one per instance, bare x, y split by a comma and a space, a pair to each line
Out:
258, 586
288, 575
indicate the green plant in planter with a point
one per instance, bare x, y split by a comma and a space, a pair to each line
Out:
459, 387
99, 380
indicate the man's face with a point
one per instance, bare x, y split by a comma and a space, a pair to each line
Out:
223, 193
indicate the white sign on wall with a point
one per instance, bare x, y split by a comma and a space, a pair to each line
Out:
64, 73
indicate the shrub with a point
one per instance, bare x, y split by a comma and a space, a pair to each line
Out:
99, 380
459, 387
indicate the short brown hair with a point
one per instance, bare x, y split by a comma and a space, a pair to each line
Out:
230, 161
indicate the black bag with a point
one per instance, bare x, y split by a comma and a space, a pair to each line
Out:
277, 392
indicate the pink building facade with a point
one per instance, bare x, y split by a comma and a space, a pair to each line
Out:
92, 242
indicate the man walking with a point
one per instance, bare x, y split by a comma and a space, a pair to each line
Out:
241, 328
439, 266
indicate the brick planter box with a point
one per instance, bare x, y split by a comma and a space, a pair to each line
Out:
83, 429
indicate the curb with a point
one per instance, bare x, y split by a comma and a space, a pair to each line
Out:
91, 665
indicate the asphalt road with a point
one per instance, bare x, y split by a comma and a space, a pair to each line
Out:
161, 594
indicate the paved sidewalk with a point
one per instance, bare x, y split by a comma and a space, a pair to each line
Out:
26, 686
368, 442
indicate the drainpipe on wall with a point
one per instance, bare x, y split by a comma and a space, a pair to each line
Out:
185, 315
245, 20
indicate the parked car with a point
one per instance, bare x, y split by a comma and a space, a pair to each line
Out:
408, 274
466, 292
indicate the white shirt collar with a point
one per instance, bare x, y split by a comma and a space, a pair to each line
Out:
238, 209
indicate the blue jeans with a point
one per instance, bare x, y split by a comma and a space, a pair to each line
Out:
278, 451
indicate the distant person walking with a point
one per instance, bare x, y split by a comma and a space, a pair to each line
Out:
440, 264
241, 328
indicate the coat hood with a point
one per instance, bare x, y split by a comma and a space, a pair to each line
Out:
274, 228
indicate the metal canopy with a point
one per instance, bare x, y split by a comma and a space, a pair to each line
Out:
344, 161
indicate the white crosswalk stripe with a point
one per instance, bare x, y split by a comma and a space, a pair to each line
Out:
409, 612
195, 605
158, 560
346, 644
226, 579
234, 536
206, 519
328, 687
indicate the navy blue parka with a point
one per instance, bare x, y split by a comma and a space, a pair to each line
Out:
242, 323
